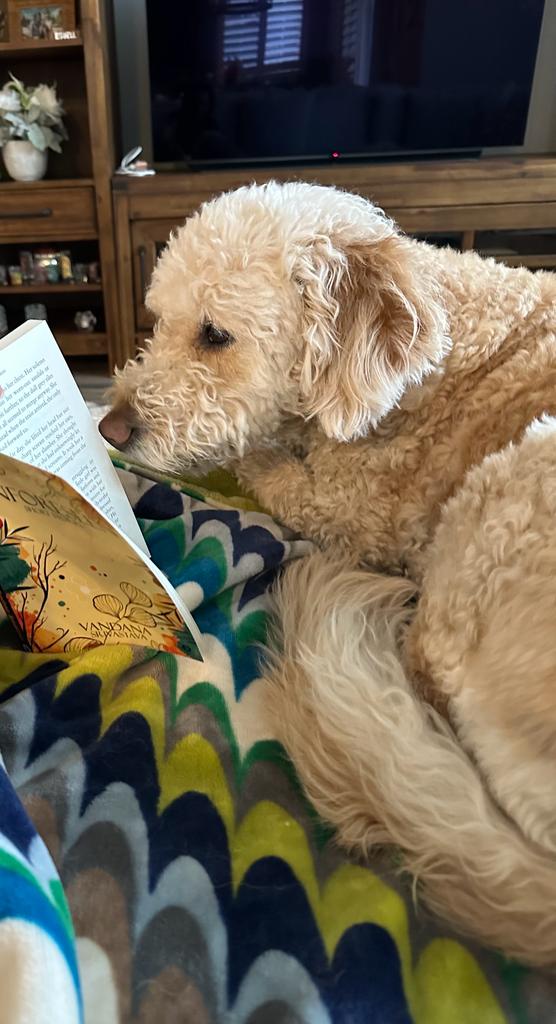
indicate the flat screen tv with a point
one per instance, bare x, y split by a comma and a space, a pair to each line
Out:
251, 81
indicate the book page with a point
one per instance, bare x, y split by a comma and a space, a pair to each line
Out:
44, 421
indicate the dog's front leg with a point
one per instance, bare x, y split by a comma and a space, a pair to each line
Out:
283, 484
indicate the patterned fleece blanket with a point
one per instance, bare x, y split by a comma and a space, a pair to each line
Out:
158, 861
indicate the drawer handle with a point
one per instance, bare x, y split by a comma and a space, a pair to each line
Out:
27, 214
143, 271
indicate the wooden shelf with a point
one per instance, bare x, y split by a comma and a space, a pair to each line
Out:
48, 289
46, 183
81, 343
530, 261
41, 47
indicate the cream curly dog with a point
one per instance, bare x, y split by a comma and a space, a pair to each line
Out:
392, 401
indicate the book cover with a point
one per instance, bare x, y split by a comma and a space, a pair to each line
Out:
70, 581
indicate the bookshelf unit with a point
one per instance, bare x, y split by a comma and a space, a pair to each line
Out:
71, 207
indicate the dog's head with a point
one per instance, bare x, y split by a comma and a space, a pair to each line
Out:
271, 301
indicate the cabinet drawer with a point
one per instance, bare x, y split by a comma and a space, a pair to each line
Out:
50, 214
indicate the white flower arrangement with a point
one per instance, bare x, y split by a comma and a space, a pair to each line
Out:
31, 113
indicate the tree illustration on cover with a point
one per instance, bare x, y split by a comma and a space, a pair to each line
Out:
15, 572
13, 569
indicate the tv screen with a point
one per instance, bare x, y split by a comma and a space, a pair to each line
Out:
245, 81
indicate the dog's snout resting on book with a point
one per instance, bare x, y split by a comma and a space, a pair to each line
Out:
393, 401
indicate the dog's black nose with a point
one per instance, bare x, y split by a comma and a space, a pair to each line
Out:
117, 426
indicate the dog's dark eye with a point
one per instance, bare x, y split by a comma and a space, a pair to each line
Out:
214, 337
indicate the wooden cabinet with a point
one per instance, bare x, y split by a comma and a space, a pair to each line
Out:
148, 238
504, 207
72, 207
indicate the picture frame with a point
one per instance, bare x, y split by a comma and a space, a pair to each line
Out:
35, 22
4, 22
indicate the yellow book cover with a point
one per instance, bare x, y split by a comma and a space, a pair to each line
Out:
69, 580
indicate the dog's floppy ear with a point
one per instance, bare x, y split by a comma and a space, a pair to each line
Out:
372, 323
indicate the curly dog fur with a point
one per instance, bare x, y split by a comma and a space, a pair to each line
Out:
392, 401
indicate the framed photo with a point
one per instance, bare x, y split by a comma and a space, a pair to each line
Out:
4, 22
32, 22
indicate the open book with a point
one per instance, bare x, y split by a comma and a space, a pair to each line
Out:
75, 571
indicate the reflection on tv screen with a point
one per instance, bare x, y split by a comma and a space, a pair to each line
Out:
251, 80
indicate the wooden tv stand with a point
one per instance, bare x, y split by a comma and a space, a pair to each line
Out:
503, 207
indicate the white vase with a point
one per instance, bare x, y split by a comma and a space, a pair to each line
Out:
23, 161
